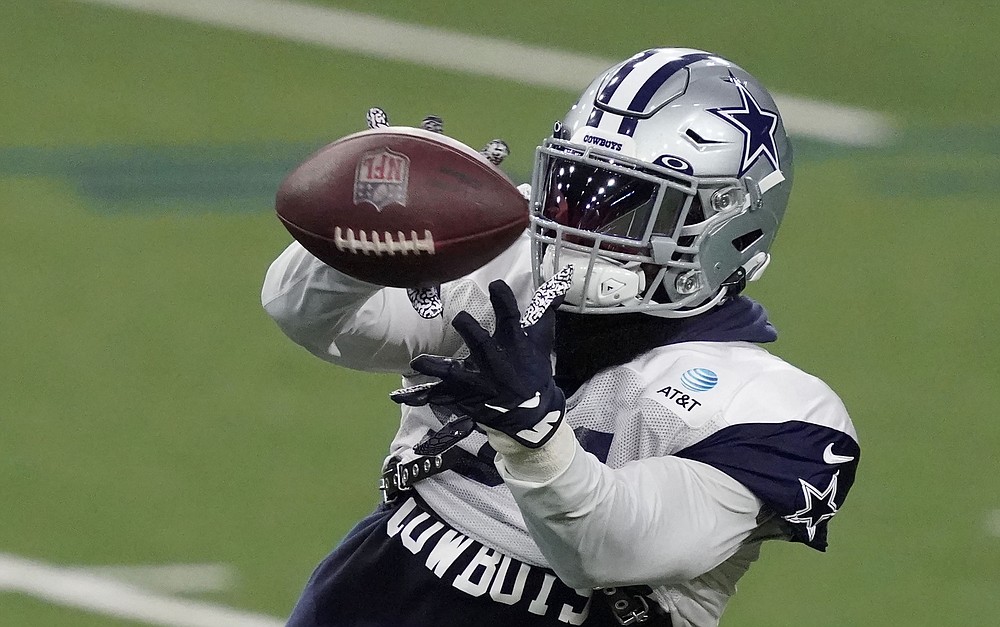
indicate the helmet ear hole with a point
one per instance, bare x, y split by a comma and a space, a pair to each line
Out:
747, 240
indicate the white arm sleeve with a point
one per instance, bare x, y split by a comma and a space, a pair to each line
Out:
343, 320
368, 327
655, 521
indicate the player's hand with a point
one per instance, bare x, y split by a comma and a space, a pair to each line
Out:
426, 301
506, 382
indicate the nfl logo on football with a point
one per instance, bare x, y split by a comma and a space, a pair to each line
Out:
381, 179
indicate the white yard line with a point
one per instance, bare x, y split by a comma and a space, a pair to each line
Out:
485, 56
86, 590
171, 578
992, 523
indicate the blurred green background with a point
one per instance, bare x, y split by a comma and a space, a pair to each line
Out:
151, 413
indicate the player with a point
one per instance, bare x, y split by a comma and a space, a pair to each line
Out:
636, 483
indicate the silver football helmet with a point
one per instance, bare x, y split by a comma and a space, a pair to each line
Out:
663, 187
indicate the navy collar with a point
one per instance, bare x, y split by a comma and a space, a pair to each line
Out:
587, 343
740, 319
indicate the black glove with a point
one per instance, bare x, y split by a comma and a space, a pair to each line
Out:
506, 382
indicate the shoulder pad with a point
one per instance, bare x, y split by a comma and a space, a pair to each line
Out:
781, 432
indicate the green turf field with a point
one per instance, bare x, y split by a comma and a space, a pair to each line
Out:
150, 412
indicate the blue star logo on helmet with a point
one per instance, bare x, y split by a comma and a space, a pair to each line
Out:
755, 123
699, 379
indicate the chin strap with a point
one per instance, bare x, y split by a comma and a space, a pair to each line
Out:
597, 282
750, 271
604, 283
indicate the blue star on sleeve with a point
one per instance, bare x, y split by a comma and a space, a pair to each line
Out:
799, 470
819, 506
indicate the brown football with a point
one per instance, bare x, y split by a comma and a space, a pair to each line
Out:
402, 207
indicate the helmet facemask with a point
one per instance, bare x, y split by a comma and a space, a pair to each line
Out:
631, 229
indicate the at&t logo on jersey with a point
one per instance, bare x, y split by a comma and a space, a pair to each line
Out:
693, 380
382, 178
699, 379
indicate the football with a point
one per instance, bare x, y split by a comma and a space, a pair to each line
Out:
401, 207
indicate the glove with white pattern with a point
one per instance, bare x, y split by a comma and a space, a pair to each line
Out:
506, 382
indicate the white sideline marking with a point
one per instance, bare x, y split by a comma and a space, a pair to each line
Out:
171, 578
485, 56
992, 523
92, 592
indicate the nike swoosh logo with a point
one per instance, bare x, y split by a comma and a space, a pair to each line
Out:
531, 403
832, 458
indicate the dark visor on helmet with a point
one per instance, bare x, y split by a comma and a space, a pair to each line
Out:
587, 197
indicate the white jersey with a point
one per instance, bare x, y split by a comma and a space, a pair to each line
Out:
684, 459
